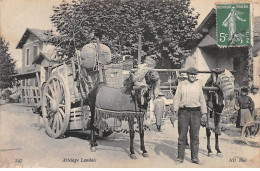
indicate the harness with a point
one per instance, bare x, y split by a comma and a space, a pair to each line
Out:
212, 110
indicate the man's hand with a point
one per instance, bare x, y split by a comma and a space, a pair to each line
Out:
173, 118
204, 119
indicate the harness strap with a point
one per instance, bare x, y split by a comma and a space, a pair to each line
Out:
213, 110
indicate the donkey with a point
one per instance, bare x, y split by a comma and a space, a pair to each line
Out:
122, 103
224, 97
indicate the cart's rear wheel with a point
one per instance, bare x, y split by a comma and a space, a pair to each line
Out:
254, 128
56, 106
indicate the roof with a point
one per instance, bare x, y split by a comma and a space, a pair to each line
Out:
40, 57
40, 34
49, 53
208, 21
207, 41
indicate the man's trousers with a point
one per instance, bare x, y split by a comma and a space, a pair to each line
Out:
189, 117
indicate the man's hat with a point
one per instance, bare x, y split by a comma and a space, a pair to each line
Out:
254, 87
192, 70
149, 60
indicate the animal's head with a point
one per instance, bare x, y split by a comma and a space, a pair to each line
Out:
213, 80
152, 78
143, 94
224, 80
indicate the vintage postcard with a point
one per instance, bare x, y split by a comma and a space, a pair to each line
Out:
129, 84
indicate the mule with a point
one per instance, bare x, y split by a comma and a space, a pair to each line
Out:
216, 102
122, 103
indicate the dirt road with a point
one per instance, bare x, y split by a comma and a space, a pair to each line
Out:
23, 145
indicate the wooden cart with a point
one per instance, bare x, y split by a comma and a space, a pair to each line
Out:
64, 103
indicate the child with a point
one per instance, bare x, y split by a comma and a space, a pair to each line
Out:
159, 110
246, 108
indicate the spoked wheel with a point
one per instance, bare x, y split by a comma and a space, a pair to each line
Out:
254, 126
56, 106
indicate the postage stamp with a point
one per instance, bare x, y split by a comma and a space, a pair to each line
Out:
234, 24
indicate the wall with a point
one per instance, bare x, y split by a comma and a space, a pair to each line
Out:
206, 61
224, 59
257, 70
30, 43
191, 60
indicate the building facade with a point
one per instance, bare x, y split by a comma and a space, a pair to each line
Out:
207, 55
37, 53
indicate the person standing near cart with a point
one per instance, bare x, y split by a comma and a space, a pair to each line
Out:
189, 103
159, 110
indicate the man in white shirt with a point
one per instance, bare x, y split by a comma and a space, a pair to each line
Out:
189, 103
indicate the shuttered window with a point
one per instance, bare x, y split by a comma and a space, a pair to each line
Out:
35, 51
27, 57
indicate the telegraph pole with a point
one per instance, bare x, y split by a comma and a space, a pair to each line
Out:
139, 48
99, 63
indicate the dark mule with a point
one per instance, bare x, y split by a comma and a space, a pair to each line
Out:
216, 103
121, 103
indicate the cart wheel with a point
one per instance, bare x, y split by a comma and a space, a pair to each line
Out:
254, 128
56, 106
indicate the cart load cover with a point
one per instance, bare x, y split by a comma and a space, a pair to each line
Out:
89, 54
227, 86
114, 99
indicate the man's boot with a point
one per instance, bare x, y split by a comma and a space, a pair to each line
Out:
159, 128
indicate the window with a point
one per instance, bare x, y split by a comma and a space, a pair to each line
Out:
35, 51
27, 57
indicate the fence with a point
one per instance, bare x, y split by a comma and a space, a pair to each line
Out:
30, 95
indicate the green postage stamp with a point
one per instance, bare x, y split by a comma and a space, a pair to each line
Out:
234, 25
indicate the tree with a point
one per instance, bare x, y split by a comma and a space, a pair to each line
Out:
7, 65
167, 27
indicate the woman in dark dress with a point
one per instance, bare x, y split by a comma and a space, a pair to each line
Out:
246, 108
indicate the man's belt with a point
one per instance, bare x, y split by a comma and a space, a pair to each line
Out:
190, 108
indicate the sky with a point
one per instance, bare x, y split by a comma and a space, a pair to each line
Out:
17, 15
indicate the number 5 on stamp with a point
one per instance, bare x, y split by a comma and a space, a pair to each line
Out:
234, 25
